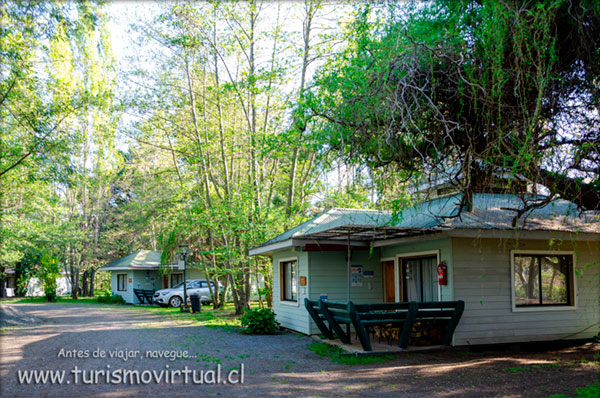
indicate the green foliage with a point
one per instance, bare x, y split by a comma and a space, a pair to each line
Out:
48, 273
590, 391
259, 321
473, 85
107, 298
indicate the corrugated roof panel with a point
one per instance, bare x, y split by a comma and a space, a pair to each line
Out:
140, 259
490, 211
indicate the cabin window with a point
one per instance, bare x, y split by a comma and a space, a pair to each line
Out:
121, 282
176, 279
289, 280
542, 280
420, 281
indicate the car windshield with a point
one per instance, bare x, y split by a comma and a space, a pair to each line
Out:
179, 285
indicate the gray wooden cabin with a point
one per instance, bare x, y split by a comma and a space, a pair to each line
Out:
536, 281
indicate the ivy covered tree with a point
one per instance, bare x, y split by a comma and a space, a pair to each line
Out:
469, 87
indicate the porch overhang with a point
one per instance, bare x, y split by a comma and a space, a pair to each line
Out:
345, 235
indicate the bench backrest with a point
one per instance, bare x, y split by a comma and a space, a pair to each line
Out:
368, 307
338, 310
436, 310
312, 303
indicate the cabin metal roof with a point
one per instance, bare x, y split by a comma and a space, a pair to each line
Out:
143, 259
489, 212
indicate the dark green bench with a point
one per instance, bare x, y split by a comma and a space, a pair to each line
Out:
448, 311
364, 317
144, 295
367, 316
332, 312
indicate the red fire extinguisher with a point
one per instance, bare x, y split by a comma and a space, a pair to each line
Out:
442, 273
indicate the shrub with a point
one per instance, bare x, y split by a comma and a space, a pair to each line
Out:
259, 321
107, 298
48, 273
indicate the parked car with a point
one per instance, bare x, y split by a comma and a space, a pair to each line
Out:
174, 296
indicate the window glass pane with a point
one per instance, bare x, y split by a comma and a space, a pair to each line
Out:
430, 279
289, 281
413, 279
554, 279
294, 287
527, 289
122, 282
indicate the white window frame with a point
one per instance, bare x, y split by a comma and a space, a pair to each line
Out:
414, 254
171, 278
543, 308
126, 282
287, 302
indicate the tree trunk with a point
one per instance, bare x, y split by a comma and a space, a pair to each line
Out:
84, 283
92, 277
2, 282
234, 296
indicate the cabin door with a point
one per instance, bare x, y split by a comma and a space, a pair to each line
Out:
165, 282
420, 281
389, 282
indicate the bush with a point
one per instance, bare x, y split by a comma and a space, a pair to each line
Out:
259, 321
107, 298
48, 273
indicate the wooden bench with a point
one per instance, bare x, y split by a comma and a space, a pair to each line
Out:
448, 311
368, 315
332, 312
144, 295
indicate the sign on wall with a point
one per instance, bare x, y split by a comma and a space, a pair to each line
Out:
356, 275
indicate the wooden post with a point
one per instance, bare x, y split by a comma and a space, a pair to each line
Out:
315, 316
349, 268
333, 323
408, 324
362, 334
453, 323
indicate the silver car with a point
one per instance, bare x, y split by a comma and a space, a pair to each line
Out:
174, 296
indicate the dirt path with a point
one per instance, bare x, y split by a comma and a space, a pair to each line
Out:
273, 365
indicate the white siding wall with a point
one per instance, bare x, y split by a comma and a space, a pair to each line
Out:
291, 316
329, 275
35, 287
128, 295
482, 279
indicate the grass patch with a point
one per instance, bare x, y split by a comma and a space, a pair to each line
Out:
222, 318
591, 391
328, 351
516, 369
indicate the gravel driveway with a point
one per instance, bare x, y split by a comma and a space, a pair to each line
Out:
278, 365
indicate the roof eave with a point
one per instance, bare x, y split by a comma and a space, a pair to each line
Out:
149, 268
273, 247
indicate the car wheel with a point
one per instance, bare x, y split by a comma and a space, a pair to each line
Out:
175, 301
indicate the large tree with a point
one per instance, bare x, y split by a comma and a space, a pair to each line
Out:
485, 85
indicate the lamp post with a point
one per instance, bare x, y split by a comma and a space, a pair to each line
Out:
184, 252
